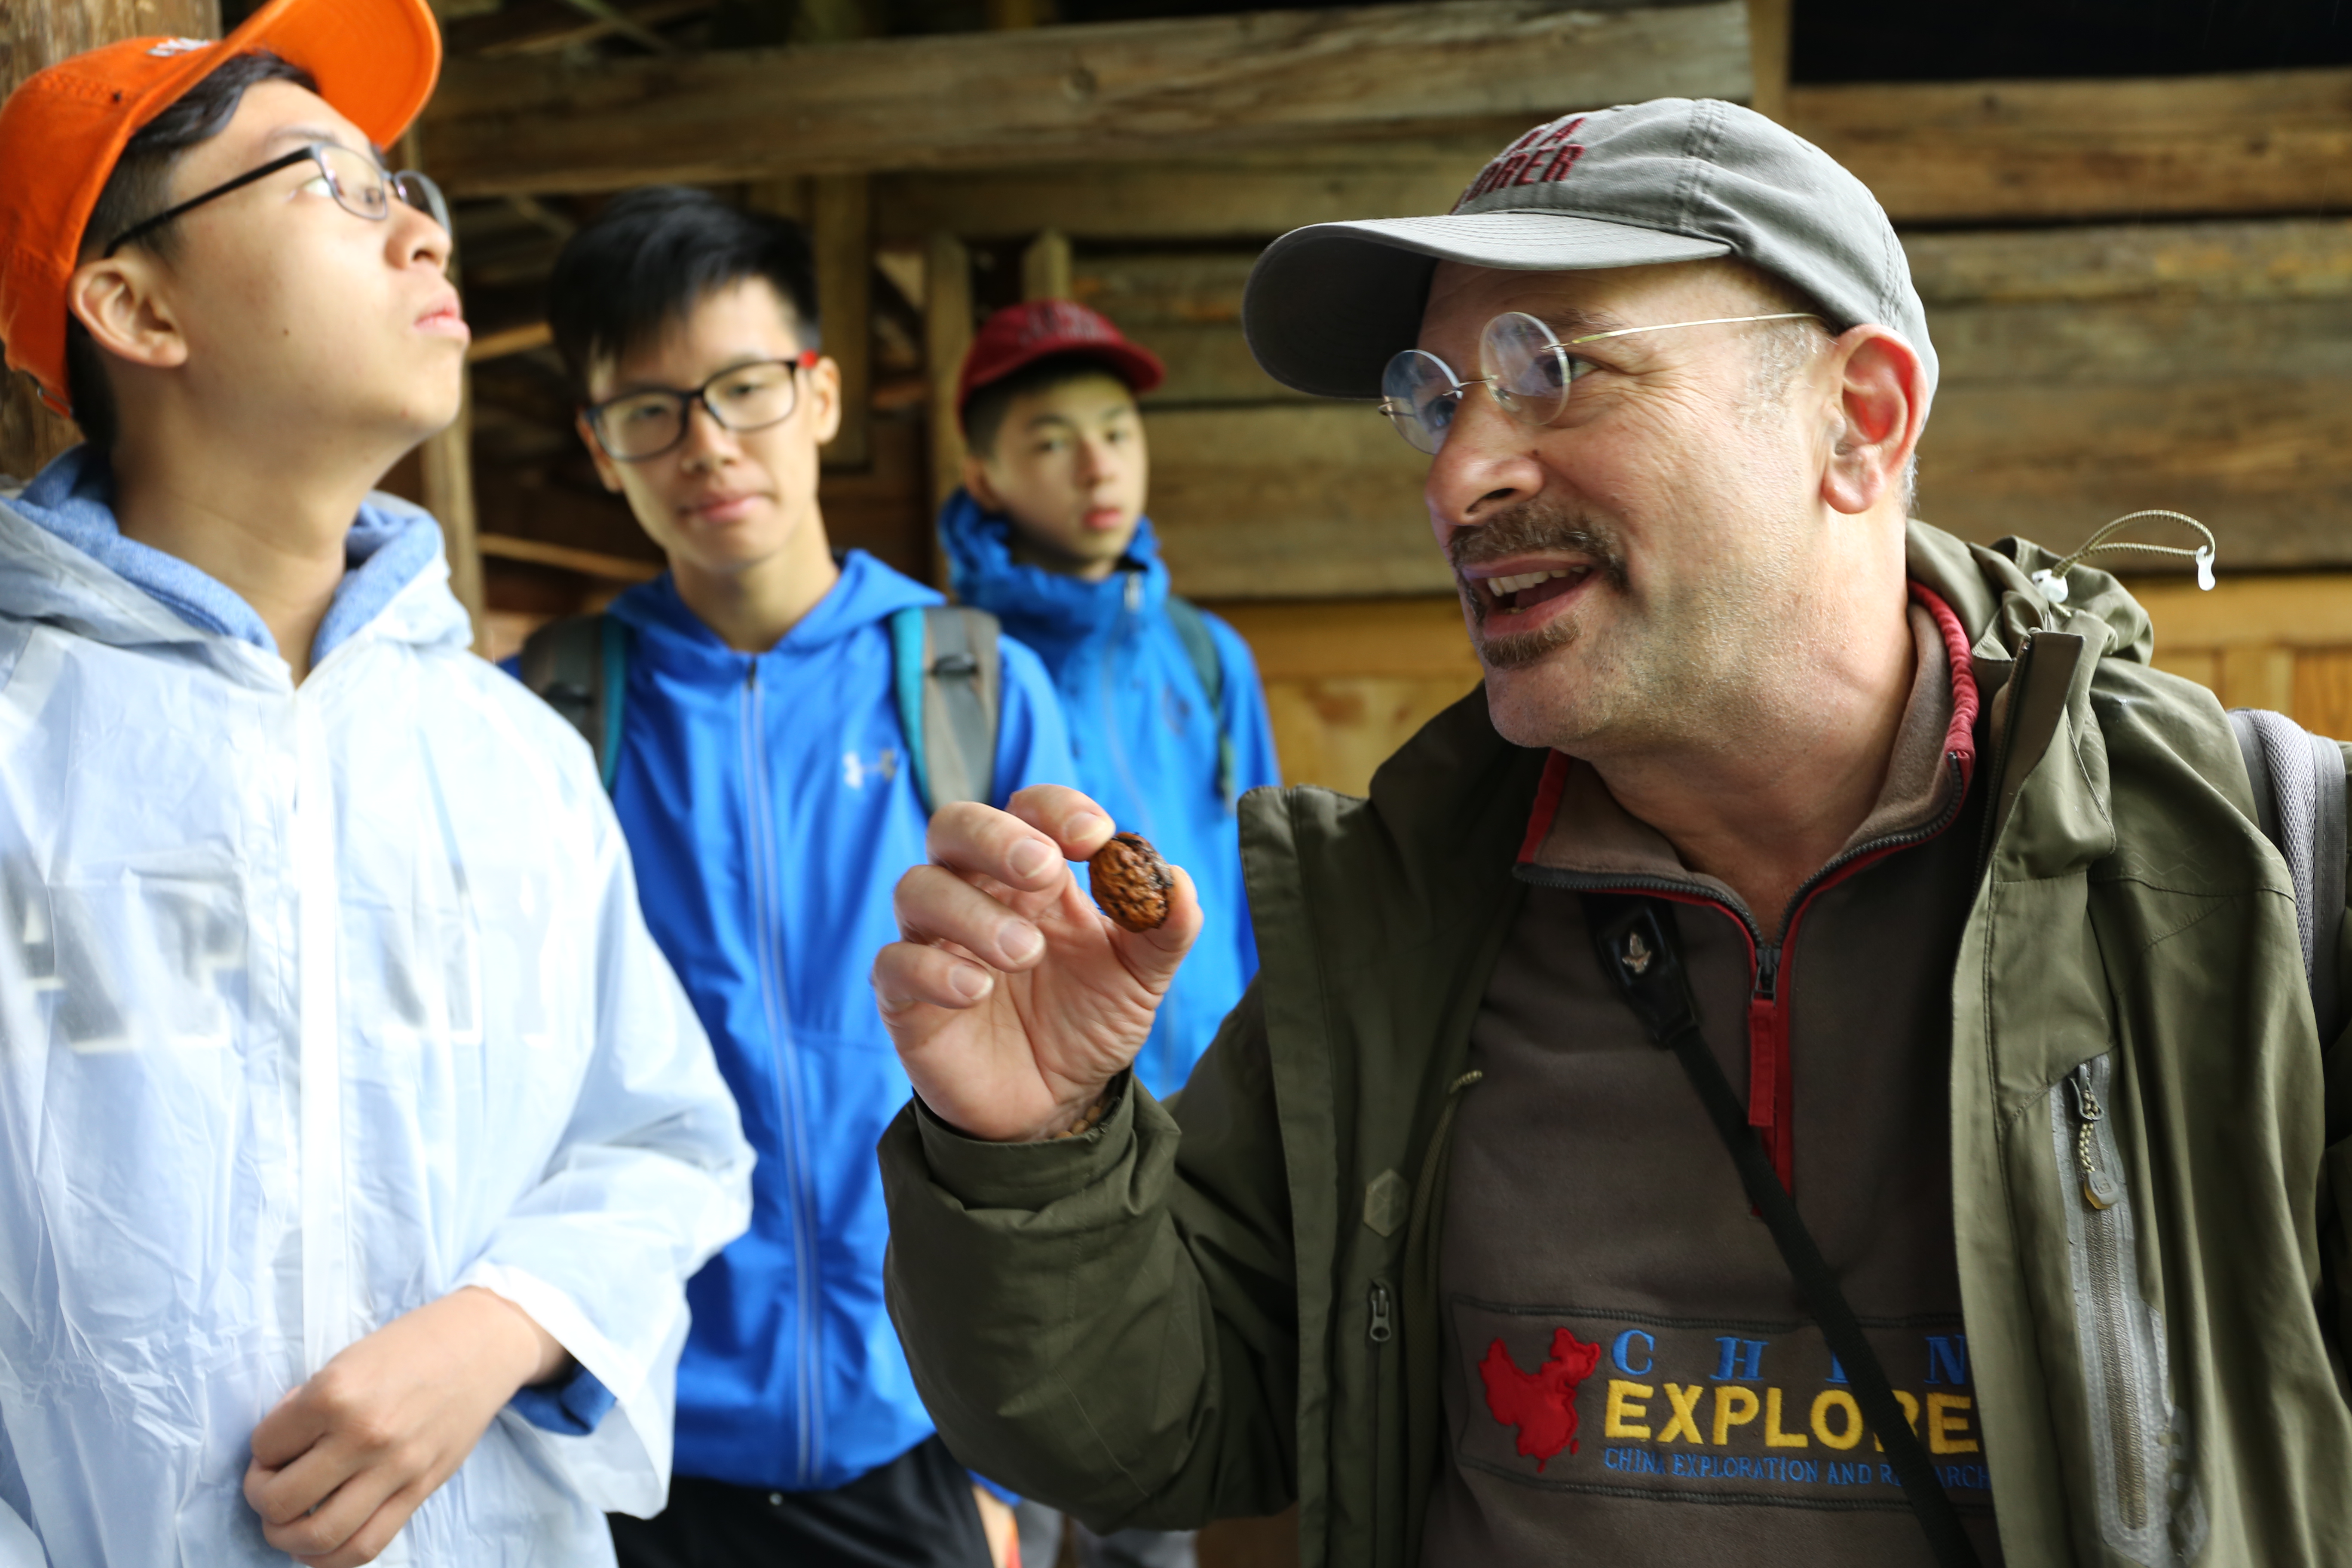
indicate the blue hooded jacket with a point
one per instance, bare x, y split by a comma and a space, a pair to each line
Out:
771, 814
1145, 742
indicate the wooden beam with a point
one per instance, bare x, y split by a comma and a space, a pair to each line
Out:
1045, 267
1154, 89
2253, 142
947, 334
1768, 48
842, 234
510, 341
1247, 195
1290, 500
449, 496
587, 562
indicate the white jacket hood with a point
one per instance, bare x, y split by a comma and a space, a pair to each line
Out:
317, 1003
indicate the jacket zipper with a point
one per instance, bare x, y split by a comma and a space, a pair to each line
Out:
784, 1065
1768, 1073
2109, 1296
1379, 1331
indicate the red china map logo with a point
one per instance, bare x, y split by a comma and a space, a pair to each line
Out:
1542, 1404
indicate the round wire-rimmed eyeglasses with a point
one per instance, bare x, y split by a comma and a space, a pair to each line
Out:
360, 186
650, 421
1529, 372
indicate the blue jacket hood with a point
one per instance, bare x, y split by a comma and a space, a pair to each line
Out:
672, 635
1049, 612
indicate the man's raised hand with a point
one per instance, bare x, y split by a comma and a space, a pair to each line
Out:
1011, 999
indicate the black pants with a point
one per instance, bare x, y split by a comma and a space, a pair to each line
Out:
917, 1511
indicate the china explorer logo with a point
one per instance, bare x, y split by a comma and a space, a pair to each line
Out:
1542, 1404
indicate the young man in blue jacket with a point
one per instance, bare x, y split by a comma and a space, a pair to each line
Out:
1168, 724
749, 704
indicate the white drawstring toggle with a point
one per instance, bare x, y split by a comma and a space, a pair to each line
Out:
2052, 586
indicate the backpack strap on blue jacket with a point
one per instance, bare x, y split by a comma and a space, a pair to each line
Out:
948, 679
579, 665
1200, 648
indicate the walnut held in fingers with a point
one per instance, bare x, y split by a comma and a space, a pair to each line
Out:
1131, 882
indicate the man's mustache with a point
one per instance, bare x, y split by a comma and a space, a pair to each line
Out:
1529, 527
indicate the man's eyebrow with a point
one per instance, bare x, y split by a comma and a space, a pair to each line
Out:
636, 384
305, 133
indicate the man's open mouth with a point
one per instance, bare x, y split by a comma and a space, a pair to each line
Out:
1526, 590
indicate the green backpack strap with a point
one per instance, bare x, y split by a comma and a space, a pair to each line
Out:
1200, 648
579, 665
950, 682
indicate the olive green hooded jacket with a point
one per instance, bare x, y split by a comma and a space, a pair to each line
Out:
1222, 1306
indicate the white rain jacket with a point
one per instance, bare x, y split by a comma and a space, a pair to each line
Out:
316, 1004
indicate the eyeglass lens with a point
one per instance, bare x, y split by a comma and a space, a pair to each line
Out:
362, 187
646, 424
1524, 366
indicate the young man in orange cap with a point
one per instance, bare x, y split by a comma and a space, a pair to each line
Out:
355, 1141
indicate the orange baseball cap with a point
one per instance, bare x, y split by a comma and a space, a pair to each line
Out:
63, 129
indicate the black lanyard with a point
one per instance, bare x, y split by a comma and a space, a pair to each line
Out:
1636, 940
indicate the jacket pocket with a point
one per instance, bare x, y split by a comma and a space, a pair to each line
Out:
2151, 1510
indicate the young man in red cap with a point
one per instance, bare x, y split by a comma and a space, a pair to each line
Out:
358, 1140
1168, 723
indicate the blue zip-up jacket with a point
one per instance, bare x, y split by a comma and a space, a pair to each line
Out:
1145, 742
770, 812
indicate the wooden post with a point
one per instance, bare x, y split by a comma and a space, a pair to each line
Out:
1768, 55
843, 234
946, 333
33, 36
449, 464
1045, 267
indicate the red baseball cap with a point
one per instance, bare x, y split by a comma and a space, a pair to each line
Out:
62, 132
1021, 335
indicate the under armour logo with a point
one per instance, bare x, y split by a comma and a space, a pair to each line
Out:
1637, 954
855, 769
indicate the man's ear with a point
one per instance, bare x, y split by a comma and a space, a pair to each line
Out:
121, 302
606, 469
975, 479
1881, 409
824, 388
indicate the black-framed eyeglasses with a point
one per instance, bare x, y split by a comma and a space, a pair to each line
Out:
646, 424
359, 184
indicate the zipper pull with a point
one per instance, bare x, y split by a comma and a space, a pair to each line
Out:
2100, 1189
1382, 1330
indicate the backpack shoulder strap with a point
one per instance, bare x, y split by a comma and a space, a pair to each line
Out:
1200, 648
948, 677
2298, 785
579, 667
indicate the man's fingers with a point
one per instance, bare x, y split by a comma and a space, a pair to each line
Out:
1153, 956
976, 840
934, 904
366, 1543
1073, 821
292, 1427
911, 974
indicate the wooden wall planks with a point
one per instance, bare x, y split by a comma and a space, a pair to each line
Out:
1066, 95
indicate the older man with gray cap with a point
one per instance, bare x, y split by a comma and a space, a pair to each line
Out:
1813, 1064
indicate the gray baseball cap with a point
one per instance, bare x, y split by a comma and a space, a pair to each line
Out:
1674, 179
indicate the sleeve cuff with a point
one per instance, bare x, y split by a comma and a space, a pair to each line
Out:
983, 1175
572, 1408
